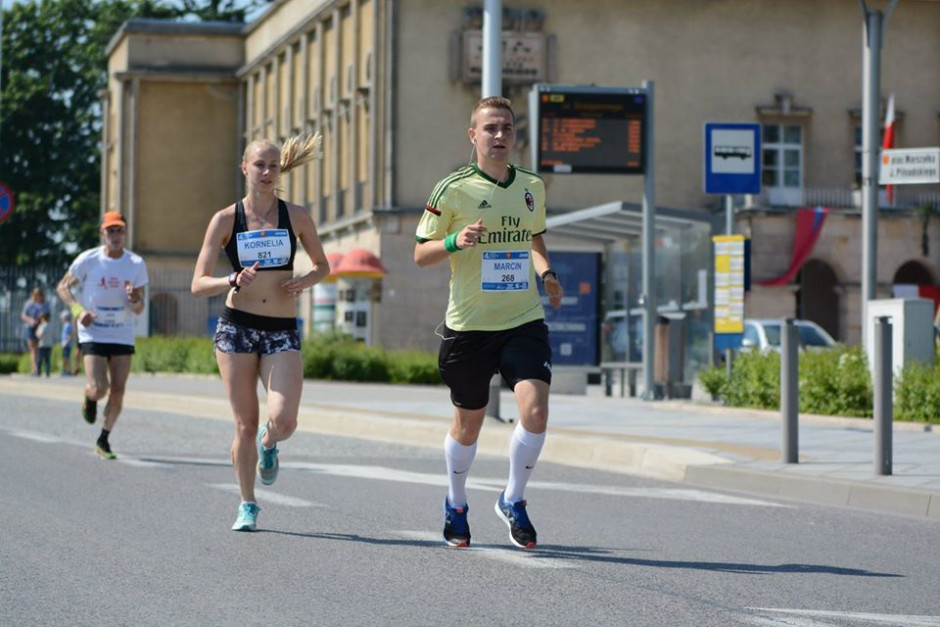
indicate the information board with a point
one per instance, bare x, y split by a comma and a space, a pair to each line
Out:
729, 283
573, 328
589, 130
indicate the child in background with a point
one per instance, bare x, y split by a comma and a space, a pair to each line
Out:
44, 334
66, 341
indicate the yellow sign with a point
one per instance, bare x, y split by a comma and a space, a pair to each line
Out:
729, 283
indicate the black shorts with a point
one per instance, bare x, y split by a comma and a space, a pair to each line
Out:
105, 349
242, 332
469, 359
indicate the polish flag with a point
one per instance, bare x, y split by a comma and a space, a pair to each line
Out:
888, 141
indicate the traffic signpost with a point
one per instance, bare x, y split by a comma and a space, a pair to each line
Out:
732, 165
732, 158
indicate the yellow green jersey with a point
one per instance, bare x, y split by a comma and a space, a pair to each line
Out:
492, 285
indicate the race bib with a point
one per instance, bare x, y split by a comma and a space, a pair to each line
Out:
270, 248
109, 316
505, 271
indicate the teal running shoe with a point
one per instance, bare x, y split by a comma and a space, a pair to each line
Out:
247, 517
267, 460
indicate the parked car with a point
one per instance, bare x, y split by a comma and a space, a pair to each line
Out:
764, 334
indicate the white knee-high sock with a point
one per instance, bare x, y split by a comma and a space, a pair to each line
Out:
524, 450
459, 459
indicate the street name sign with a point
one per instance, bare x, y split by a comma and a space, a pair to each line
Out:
910, 166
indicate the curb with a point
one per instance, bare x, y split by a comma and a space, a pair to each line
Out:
856, 495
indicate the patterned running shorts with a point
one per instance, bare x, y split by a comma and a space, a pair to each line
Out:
240, 332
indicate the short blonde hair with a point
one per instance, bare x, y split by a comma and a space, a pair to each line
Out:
295, 152
492, 102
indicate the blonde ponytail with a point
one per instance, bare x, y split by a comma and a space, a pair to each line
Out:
300, 149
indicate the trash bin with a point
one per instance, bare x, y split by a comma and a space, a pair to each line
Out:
668, 356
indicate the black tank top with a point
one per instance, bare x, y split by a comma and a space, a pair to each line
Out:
241, 226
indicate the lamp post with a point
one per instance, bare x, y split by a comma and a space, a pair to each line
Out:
875, 24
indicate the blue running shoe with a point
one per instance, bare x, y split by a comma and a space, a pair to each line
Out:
247, 517
456, 528
267, 460
521, 531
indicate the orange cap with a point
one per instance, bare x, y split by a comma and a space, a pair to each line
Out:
112, 218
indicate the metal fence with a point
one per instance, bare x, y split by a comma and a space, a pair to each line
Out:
171, 308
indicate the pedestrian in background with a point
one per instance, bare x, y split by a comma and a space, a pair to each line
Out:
257, 334
113, 281
44, 338
32, 309
487, 220
66, 339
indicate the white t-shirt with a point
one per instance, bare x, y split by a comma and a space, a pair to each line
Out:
103, 282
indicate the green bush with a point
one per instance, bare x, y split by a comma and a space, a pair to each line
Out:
917, 393
835, 382
10, 363
755, 381
340, 357
714, 379
414, 367
175, 354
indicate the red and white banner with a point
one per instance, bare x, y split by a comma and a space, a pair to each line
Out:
888, 142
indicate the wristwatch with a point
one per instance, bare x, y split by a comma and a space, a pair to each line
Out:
233, 279
550, 273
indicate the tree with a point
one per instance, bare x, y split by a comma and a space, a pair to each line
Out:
54, 65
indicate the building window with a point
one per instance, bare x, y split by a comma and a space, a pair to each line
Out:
782, 146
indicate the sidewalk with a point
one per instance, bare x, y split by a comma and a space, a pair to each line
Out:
702, 445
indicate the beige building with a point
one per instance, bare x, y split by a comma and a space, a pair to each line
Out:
390, 84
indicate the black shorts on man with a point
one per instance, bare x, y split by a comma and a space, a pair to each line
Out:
469, 359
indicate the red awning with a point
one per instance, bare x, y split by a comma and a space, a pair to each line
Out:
335, 259
360, 263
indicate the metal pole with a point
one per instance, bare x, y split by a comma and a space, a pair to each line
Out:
789, 393
874, 24
492, 48
649, 257
884, 402
492, 85
729, 230
870, 113
729, 214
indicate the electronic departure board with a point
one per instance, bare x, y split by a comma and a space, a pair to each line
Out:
590, 130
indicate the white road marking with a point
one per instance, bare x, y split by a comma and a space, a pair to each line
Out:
817, 618
497, 485
382, 473
140, 463
37, 437
516, 557
267, 496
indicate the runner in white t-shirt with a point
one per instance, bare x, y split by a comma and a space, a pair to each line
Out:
112, 281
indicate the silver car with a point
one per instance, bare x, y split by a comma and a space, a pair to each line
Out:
764, 335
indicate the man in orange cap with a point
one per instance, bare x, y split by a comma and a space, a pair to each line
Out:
113, 281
